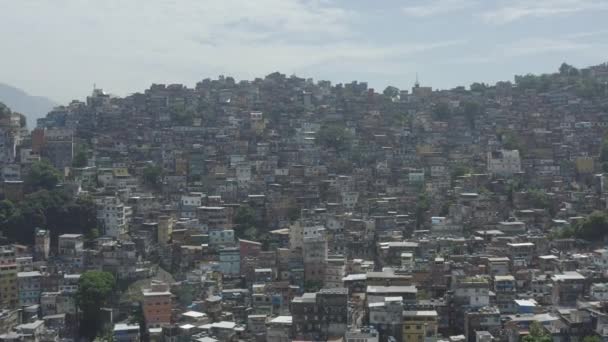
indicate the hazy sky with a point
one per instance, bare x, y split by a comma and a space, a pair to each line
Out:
59, 48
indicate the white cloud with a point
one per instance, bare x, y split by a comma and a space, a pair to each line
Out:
510, 11
436, 7
537, 46
587, 34
526, 48
126, 45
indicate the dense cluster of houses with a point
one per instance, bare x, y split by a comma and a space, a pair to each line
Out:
284, 209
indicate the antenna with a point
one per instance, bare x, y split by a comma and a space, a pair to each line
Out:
417, 84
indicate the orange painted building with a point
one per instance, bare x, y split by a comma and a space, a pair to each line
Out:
157, 305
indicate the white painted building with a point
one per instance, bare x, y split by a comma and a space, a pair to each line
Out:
504, 162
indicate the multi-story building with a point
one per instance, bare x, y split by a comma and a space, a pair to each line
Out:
126, 332
164, 230
473, 292
214, 218
113, 216
42, 244
334, 271
59, 147
29, 288
70, 244
230, 261
481, 319
567, 288
504, 162
157, 305
362, 335
505, 290
386, 317
420, 325
315, 255
320, 315
9, 289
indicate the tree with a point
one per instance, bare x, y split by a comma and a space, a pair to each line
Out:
592, 338
54, 210
391, 91
245, 223
151, 175
568, 70
594, 227
334, 136
604, 154
537, 334
80, 157
478, 87
22, 120
471, 110
94, 290
442, 111
422, 206
42, 175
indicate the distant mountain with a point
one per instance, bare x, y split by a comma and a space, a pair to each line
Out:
33, 107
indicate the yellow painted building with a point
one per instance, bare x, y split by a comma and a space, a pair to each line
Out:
584, 165
9, 290
420, 326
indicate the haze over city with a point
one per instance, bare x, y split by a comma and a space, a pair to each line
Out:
59, 49
304, 170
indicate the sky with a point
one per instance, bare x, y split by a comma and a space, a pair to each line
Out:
61, 48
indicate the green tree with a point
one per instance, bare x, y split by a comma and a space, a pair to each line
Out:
94, 291
442, 111
42, 175
5, 112
54, 210
22, 120
7, 209
391, 91
293, 213
592, 338
478, 87
471, 110
568, 70
604, 154
80, 157
537, 334
422, 206
334, 136
151, 175
460, 170
594, 227
245, 223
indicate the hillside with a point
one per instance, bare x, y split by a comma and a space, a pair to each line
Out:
33, 107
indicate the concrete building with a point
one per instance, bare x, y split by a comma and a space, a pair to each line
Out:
315, 255
504, 162
42, 244
334, 271
59, 147
157, 305
567, 288
29, 288
362, 335
230, 261
278, 329
113, 216
420, 325
320, 315
70, 244
164, 230
126, 333
9, 290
